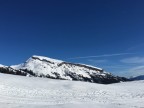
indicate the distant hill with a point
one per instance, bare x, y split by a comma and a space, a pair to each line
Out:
141, 77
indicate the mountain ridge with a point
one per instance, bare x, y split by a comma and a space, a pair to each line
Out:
140, 77
40, 66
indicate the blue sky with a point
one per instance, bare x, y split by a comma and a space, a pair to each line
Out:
104, 33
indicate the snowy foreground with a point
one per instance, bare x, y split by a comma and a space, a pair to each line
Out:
28, 92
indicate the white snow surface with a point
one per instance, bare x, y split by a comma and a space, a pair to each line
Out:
32, 92
2, 65
49, 66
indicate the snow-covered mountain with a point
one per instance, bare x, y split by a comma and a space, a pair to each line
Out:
40, 66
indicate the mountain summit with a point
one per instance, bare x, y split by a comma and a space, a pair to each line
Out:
39, 66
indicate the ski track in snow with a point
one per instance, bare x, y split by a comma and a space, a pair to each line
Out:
26, 92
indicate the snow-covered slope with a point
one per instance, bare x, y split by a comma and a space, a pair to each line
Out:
2, 65
26, 92
40, 66
46, 66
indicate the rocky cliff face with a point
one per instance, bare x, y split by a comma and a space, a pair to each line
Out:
39, 66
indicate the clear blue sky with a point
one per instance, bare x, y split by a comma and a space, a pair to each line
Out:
66, 29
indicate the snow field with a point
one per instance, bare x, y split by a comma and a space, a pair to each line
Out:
23, 92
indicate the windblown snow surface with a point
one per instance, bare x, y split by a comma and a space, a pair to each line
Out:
31, 92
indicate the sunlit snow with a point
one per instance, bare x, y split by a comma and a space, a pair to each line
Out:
31, 92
